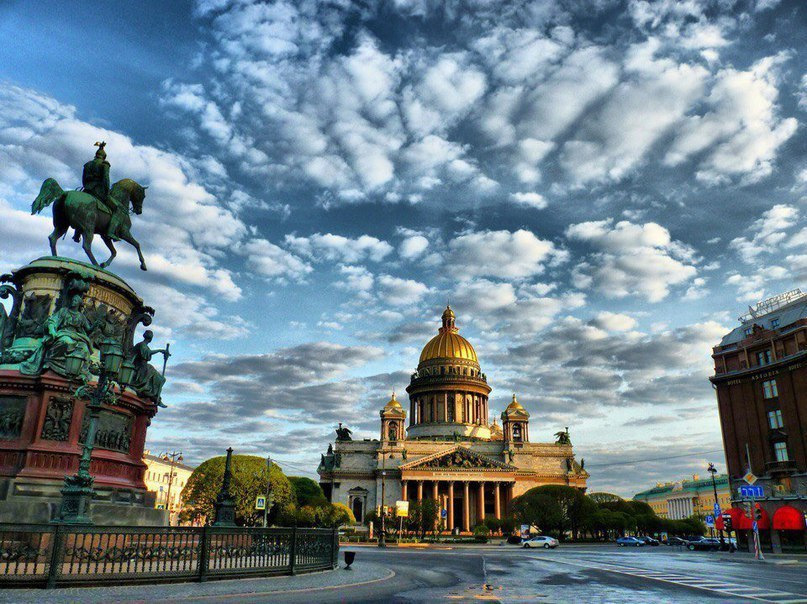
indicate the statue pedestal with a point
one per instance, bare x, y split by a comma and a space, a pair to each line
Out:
42, 422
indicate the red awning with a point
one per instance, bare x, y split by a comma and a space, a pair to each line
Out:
788, 518
737, 518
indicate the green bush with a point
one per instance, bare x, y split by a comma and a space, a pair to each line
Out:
481, 533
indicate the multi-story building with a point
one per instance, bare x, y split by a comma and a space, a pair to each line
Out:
166, 480
451, 452
761, 384
689, 497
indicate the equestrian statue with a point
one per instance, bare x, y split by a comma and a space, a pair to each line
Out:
97, 209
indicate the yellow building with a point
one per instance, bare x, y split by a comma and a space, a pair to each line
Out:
166, 480
685, 498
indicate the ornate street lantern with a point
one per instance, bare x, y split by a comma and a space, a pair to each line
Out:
111, 358
126, 374
74, 363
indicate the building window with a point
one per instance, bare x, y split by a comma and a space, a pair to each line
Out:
763, 357
775, 419
780, 450
769, 389
774, 323
748, 331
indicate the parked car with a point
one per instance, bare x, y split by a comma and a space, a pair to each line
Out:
514, 539
704, 544
630, 542
675, 541
650, 541
542, 541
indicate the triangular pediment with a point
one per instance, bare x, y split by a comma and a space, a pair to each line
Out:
456, 458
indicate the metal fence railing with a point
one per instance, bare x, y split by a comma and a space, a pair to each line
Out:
50, 555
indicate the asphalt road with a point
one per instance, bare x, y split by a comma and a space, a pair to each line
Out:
574, 574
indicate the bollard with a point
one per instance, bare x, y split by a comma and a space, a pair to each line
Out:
349, 557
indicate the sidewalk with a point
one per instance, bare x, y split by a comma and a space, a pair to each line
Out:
361, 574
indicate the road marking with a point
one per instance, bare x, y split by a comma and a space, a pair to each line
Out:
737, 590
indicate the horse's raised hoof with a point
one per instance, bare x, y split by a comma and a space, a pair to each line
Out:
143, 267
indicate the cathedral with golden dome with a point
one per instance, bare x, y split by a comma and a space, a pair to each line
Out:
450, 451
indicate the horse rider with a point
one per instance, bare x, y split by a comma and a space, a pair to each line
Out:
95, 181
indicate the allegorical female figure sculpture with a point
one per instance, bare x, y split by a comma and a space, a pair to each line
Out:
147, 382
66, 331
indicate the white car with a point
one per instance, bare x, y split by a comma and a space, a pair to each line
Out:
542, 541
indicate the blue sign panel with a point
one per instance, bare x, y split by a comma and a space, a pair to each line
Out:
443, 512
710, 520
749, 491
717, 509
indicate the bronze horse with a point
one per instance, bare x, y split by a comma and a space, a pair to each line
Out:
89, 217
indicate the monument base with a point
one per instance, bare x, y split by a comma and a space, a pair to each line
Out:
38, 502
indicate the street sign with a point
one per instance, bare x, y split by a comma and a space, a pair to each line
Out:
750, 478
754, 526
444, 513
717, 510
260, 502
402, 509
710, 521
753, 492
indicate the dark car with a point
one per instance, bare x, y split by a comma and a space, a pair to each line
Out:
675, 541
630, 542
704, 544
650, 541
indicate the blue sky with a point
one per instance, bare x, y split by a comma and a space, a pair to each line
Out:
599, 192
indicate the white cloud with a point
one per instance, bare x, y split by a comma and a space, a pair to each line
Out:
639, 111
530, 199
740, 131
501, 254
337, 248
768, 232
269, 260
631, 259
611, 321
401, 292
413, 246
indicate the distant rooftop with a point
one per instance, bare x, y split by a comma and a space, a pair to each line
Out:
771, 304
773, 313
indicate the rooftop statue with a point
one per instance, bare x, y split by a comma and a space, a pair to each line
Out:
343, 433
562, 437
96, 210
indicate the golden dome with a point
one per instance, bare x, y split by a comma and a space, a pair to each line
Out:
514, 405
448, 344
393, 403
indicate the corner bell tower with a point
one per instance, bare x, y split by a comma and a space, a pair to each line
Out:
393, 419
515, 423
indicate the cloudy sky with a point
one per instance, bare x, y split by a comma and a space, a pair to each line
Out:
599, 188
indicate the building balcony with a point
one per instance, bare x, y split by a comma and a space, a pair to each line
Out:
780, 467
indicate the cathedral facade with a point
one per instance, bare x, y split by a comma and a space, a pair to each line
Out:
450, 451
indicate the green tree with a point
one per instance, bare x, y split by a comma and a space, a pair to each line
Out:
574, 506
249, 476
539, 509
307, 492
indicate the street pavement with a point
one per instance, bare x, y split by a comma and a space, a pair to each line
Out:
579, 574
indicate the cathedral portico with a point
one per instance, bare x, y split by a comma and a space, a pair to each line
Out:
450, 452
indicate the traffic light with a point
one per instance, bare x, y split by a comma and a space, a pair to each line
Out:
758, 513
727, 522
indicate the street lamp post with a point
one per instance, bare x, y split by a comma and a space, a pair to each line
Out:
78, 491
381, 538
174, 457
268, 490
712, 470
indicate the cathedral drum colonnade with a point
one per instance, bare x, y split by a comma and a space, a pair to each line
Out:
450, 452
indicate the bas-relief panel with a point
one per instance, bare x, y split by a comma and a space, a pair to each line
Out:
12, 414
